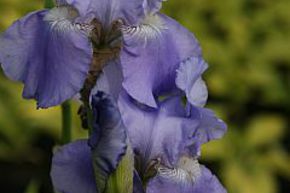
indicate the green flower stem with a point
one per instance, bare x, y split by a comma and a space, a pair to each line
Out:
66, 122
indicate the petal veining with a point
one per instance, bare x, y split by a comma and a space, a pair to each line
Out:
205, 182
50, 56
149, 67
61, 18
186, 172
157, 134
150, 28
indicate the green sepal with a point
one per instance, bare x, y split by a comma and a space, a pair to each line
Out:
121, 180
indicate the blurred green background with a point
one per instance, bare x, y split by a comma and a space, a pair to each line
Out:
246, 43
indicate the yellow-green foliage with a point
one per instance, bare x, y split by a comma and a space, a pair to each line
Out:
247, 45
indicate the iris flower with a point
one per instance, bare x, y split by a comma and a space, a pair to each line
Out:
148, 64
166, 143
54, 52
51, 51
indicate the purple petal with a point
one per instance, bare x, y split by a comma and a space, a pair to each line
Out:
153, 6
208, 183
131, 11
152, 54
108, 140
51, 59
110, 81
137, 187
156, 133
168, 132
210, 126
72, 169
189, 80
205, 183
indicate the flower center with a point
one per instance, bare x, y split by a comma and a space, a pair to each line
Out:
61, 18
106, 47
150, 28
187, 171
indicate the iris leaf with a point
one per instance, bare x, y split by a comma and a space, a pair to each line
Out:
121, 181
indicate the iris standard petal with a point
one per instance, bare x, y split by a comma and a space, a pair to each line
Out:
189, 80
72, 169
156, 133
151, 55
48, 54
205, 183
108, 141
106, 11
210, 127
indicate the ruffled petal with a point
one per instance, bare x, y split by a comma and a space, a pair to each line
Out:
205, 183
210, 127
131, 11
72, 169
169, 131
48, 54
151, 55
108, 141
157, 133
189, 80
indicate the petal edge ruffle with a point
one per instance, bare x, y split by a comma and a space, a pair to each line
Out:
149, 65
52, 61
